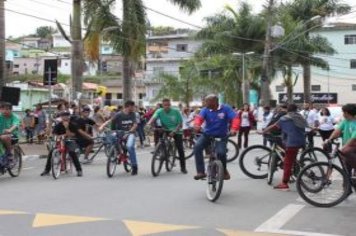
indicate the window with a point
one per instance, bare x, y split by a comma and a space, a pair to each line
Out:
279, 88
315, 88
16, 66
119, 96
65, 63
182, 47
353, 63
108, 96
141, 95
350, 39
354, 87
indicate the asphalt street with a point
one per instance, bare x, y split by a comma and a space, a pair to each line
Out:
170, 204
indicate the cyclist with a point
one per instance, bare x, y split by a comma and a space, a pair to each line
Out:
9, 128
347, 130
126, 121
293, 127
217, 120
68, 127
85, 123
310, 114
171, 119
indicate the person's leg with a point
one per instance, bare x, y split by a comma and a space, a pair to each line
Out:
178, 140
130, 145
198, 154
6, 140
246, 133
221, 152
27, 130
239, 136
290, 156
71, 147
31, 135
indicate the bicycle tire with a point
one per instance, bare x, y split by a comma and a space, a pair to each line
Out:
231, 156
215, 180
157, 160
56, 163
314, 154
111, 162
189, 144
96, 151
272, 167
15, 170
324, 183
127, 164
260, 162
171, 157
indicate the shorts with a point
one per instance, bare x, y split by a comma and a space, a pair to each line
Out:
83, 143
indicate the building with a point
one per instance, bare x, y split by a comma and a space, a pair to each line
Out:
59, 41
30, 42
165, 54
337, 85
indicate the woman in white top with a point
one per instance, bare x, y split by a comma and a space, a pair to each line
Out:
326, 125
266, 119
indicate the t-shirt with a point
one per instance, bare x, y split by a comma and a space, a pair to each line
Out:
123, 121
8, 122
326, 123
28, 121
59, 128
293, 136
245, 120
86, 124
348, 129
217, 122
170, 119
311, 117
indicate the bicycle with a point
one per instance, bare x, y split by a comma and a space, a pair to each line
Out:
325, 184
118, 153
215, 172
61, 161
260, 162
15, 166
232, 151
165, 152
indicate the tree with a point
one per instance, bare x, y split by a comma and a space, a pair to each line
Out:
129, 36
2, 45
45, 31
304, 10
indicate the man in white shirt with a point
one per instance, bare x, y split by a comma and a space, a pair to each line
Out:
310, 114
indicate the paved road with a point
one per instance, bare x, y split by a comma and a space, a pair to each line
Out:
171, 204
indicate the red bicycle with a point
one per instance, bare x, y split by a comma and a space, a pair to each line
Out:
118, 153
61, 160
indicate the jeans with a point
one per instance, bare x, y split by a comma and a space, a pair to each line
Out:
245, 132
130, 145
289, 160
178, 141
201, 144
141, 132
29, 134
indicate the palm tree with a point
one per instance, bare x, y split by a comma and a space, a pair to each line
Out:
304, 10
129, 36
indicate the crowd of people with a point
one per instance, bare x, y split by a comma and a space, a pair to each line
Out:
213, 119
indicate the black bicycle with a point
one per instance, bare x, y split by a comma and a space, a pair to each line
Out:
164, 153
325, 184
260, 162
13, 166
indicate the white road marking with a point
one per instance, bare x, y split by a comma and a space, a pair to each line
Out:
281, 218
28, 168
299, 233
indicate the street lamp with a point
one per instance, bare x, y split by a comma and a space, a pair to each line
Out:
245, 87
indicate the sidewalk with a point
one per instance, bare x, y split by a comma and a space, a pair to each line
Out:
34, 149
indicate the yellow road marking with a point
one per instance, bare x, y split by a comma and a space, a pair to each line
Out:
139, 228
43, 220
6, 212
228, 232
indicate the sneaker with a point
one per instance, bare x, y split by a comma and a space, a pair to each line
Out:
227, 175
79, 173
45, 173
200, 176
134, 170
184, 170
282, 187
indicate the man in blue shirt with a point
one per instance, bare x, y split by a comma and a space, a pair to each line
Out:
218, 119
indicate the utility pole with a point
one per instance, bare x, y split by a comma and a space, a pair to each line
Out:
77, 50
266, 70
2, 45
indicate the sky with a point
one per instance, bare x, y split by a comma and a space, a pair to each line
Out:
50, 10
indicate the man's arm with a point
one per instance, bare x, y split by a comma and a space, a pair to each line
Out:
271, 127
105, 124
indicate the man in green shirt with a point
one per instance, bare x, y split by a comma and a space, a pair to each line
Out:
347, 130
9, 127
171, 119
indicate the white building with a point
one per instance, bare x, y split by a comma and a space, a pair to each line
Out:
165, 54
59, 41
339, 83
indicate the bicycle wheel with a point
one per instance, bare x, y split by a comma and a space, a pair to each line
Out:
127, 164
111, 162
323, 185
171, 158
56, 163
157, 160
232, 151
272, 167
254, 161
215, 180
312, 155
188, 144
16, 167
